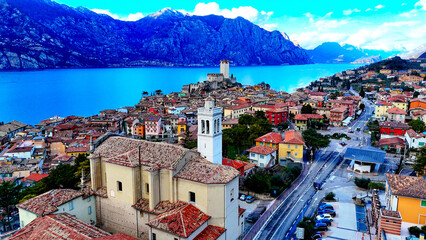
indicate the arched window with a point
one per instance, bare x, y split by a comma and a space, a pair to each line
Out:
203, 127
215, 126
208, 126
218, 125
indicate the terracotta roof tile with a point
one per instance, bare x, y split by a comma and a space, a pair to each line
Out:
61, 226
205, 172
262, 149
394, 124
125, 151
271, 137
36, 177
182, 221
293, 137
390, 141
210, 233
407, 186
308, 116
48, 202
162, 207
118, 236
396, 110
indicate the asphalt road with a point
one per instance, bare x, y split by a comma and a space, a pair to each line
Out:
283, 222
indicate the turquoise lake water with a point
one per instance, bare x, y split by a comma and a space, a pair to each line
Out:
32, 96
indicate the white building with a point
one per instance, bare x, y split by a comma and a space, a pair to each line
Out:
58, 201
263, 156
415, 140
224, 68
209, 139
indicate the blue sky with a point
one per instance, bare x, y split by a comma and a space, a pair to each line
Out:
370, 24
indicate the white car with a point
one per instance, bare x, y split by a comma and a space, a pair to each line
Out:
324, 216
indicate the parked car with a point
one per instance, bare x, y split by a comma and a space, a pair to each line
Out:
317, 186
324, 220
351, 131
250, 199
358, 129
243, 197
326, 206
343, 144
329, 211
325, 215
317, 235
252, 218
321, 227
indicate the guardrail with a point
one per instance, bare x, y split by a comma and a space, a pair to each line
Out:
265, 216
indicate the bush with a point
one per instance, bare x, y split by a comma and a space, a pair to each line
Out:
362, 182
330, 196
376, 185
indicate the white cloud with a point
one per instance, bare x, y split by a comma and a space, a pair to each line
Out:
324, 25
403, 4
247, 12
328, 14
380, 6
270, 26
309, 15
133, 17
368, 9
106, 12
409, 14
130, 17
421, 4
350, 11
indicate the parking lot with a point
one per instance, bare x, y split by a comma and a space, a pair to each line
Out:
344, 225
250, 207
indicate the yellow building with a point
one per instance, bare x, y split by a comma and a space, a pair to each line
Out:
142, 184
301, 120
236, 111
75, 151
181, 127
229, 123
291, 148
400, 104
381, 110
407, 195
271, 139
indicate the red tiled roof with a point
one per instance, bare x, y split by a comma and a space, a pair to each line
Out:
271, 137
396, 110
77, 149
308, 116
200, 170
48, 202
241, 211
62, 226
63, 158
339, 109
391, 141
36, 177
293, 137
262, 149
233, 163
407, 186
238, 107
20, 149
394, 124
383, 103
412, 134
125, 151
210, 233
182, 221
162, 207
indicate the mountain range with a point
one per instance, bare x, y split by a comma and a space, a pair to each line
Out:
38, 34
333, 52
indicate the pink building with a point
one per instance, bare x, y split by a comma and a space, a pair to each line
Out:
153, 126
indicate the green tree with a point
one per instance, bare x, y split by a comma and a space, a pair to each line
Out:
246, 119
283, 126
258, 183
307, 109
9, 197
362, 182
82, 162
362, 106
417, 125
376, 185
63, 176
259, 114
243, 158
420, 163
314, 141
361, 92
330, 196
188, 141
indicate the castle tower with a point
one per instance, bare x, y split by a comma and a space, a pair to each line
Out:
209, 140
224, 68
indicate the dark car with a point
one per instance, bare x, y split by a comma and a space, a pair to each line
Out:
343, 144
321, 227
252, 218
317, 235
326, 206
250, 199
328, 211
324, 220
351, 131
317, 186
